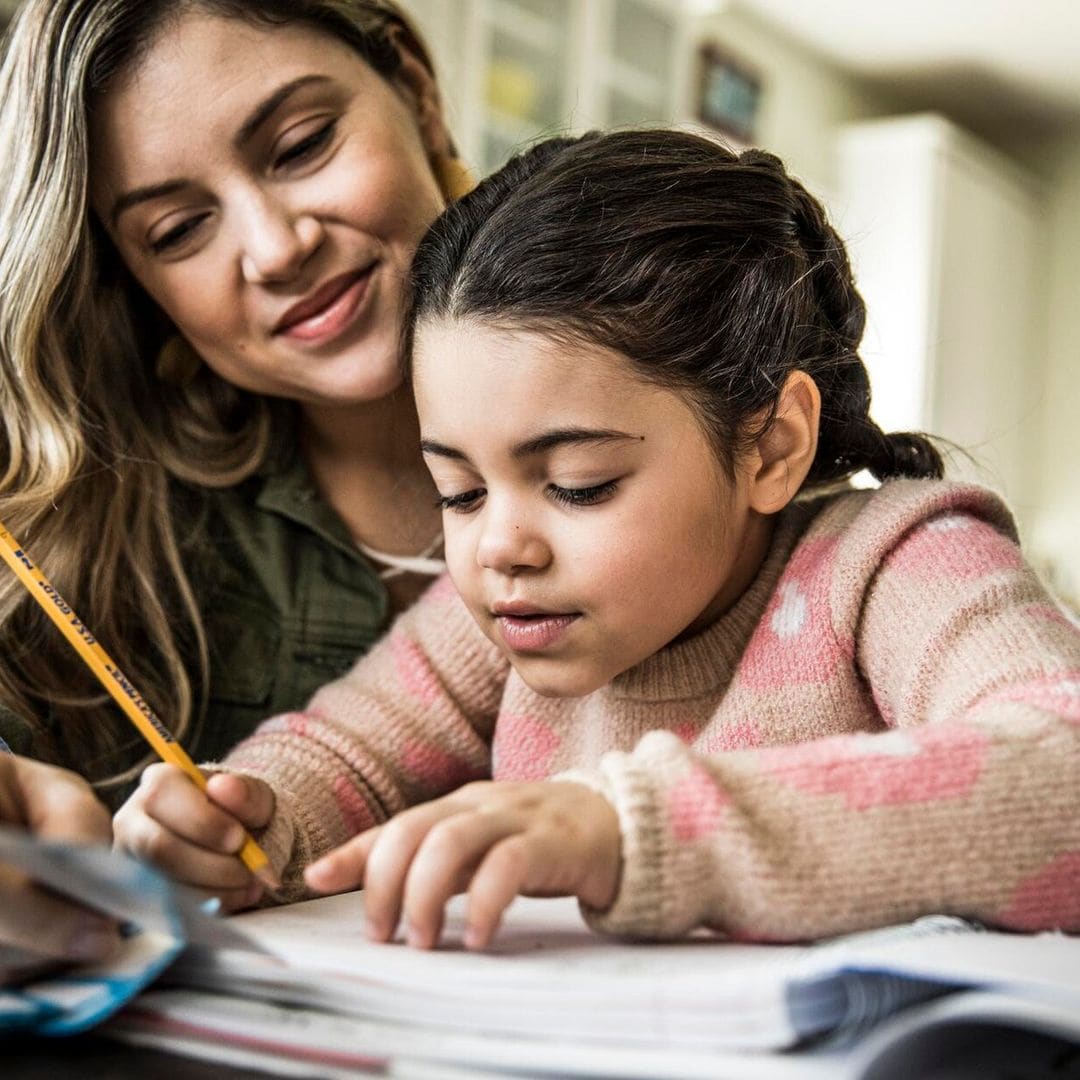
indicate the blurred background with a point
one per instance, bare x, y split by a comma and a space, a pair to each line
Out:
943, 136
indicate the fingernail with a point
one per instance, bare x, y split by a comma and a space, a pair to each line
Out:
473, 938
93, 942
413, 937
234, 838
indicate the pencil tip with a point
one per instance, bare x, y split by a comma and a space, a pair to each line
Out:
266, 875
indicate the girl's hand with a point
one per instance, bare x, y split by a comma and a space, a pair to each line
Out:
493, 840
55, 805
195, 837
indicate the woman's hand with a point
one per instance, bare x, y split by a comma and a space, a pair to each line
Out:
55, 805
196, 837
493, 840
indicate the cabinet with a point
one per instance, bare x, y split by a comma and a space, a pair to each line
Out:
517, 70
945, 237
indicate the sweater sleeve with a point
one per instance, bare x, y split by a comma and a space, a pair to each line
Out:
966, 801
412, 720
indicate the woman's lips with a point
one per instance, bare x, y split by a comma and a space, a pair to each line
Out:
329, 311
533, 633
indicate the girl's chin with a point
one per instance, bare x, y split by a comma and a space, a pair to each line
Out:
552, 679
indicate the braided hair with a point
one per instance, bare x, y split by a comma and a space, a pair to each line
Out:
716, 273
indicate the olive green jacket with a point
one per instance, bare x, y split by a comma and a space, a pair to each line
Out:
288, 604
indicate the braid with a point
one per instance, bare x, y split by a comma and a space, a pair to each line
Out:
848, 439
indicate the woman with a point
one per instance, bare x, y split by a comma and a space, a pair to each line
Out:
207, 211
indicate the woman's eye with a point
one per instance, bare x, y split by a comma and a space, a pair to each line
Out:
306, 147
175, 236
464, 503
583, 496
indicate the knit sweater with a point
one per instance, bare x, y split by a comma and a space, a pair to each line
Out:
886, 723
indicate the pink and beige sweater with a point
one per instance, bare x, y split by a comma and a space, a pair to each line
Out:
885, 724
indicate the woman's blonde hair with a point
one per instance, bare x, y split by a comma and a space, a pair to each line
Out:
92, 440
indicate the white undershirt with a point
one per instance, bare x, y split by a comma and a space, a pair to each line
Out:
423, 564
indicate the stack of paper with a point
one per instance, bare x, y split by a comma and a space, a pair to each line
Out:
302, 991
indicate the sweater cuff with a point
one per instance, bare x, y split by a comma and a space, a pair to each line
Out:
665, 881
638, 910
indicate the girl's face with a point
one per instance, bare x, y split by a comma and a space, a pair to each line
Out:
267, 188
588, 522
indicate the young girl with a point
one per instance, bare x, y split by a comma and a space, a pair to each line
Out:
710, 682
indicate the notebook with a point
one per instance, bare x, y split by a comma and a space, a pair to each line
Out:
302, 985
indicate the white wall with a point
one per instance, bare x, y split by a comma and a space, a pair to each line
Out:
1055, 536
804, 102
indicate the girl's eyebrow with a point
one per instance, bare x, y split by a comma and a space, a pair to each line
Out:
539, 444
258, 116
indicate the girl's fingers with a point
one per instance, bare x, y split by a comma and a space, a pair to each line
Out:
239, 898
389, 860
443, 866
502, 875
343, 868
184, 861
246, 798
167, 797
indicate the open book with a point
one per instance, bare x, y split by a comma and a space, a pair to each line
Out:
301, 988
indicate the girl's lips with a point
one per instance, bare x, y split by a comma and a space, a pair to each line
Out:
334, 308
533, 633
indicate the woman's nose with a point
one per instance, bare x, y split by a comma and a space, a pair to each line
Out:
276, 243
509, 543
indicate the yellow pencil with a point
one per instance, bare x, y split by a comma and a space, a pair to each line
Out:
118, 685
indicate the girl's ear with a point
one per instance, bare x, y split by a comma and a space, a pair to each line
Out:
784, 453
416, 82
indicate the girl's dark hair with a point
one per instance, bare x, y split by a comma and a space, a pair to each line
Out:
716, 273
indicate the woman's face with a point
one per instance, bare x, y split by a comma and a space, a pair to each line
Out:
268, 188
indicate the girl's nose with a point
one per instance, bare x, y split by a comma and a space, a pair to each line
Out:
277, 243
509, 544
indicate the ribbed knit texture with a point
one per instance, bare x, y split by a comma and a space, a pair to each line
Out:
886, 723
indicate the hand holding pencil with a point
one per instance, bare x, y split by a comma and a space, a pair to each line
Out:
120, 688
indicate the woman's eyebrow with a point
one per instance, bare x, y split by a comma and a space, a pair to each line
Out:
269, 105
144, 194
248, 129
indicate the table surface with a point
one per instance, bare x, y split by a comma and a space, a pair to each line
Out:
88, 1057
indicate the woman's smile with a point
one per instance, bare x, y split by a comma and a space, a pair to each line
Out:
329, 311
289, 238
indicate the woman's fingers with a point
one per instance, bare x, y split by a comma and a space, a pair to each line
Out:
51, 802
45, 926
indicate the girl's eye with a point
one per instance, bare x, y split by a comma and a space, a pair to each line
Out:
177, 235
464, 503
585, 496
307, 147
